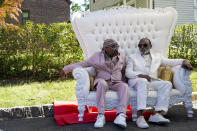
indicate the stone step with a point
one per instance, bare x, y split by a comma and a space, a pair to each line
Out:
26, 112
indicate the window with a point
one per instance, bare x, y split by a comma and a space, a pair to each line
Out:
153, 4
131, 3
25, 16
195, 10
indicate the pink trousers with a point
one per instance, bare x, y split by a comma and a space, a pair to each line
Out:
120, 87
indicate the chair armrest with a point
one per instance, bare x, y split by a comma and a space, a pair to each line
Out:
83, 82
181, 80
91, 71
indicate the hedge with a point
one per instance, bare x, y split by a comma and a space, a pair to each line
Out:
40, 50
184, 43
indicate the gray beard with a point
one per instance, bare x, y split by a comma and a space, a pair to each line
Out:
145, 53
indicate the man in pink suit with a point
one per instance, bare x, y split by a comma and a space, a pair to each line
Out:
109, 65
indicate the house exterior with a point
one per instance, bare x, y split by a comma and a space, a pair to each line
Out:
45, 11
187, 9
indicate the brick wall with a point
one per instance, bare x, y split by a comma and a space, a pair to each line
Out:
47, 11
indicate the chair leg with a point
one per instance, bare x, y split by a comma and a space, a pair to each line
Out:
187, 99
81, 109
134, 113
188, 105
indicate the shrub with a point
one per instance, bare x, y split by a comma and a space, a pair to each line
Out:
184, 43
39, 49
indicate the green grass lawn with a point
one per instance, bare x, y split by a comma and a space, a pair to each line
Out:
38, 93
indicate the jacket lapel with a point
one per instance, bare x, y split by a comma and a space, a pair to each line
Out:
155, 63
140, 60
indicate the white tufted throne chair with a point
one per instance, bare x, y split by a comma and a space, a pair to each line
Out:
127, 26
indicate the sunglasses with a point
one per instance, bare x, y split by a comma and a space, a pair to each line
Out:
113, 46
144, 45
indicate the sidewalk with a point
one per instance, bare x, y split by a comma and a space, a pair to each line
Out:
177, 115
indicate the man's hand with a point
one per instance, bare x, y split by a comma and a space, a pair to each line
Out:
145, 76
63, 73
186, 65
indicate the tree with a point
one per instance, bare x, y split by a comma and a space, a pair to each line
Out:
1, 2
86, 5
75, 7
11, 9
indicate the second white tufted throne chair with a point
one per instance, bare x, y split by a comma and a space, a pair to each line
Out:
127, 26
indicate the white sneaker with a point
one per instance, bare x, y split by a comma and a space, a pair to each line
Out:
158, 118
121, 120
100, 121
141, 123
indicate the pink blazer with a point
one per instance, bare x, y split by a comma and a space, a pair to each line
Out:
97, 60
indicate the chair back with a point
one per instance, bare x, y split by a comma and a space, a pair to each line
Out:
126, 25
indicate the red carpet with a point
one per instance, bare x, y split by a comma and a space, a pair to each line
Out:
67, 113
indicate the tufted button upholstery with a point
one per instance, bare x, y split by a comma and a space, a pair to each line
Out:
132, 25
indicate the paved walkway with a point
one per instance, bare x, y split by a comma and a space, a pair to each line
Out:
177, 115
